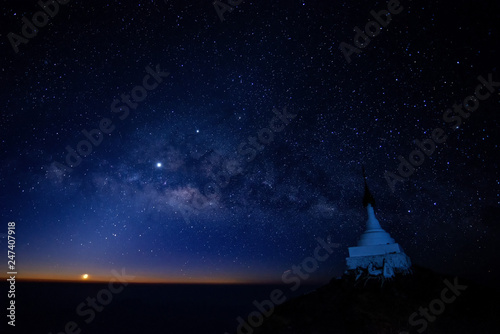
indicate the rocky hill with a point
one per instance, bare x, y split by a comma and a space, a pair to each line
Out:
423, 302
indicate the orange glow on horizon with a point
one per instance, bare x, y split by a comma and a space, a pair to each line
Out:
154, 279
141, 281
38, 273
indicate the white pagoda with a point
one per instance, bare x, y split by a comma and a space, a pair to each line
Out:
377, 253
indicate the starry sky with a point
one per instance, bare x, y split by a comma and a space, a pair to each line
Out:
188, 183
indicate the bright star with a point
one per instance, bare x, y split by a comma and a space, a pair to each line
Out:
158, 164
85, 276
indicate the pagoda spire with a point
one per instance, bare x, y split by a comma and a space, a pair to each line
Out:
374, 233
368, 197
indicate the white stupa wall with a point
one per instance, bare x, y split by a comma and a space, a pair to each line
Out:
374, 233
399, 262
375, 250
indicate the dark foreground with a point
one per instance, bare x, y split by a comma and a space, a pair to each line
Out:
424, 302
43, 308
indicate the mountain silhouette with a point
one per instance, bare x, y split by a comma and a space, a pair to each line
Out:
350, 306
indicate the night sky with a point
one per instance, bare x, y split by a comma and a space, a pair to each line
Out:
188, 183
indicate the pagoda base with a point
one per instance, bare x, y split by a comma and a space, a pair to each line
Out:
386, 264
